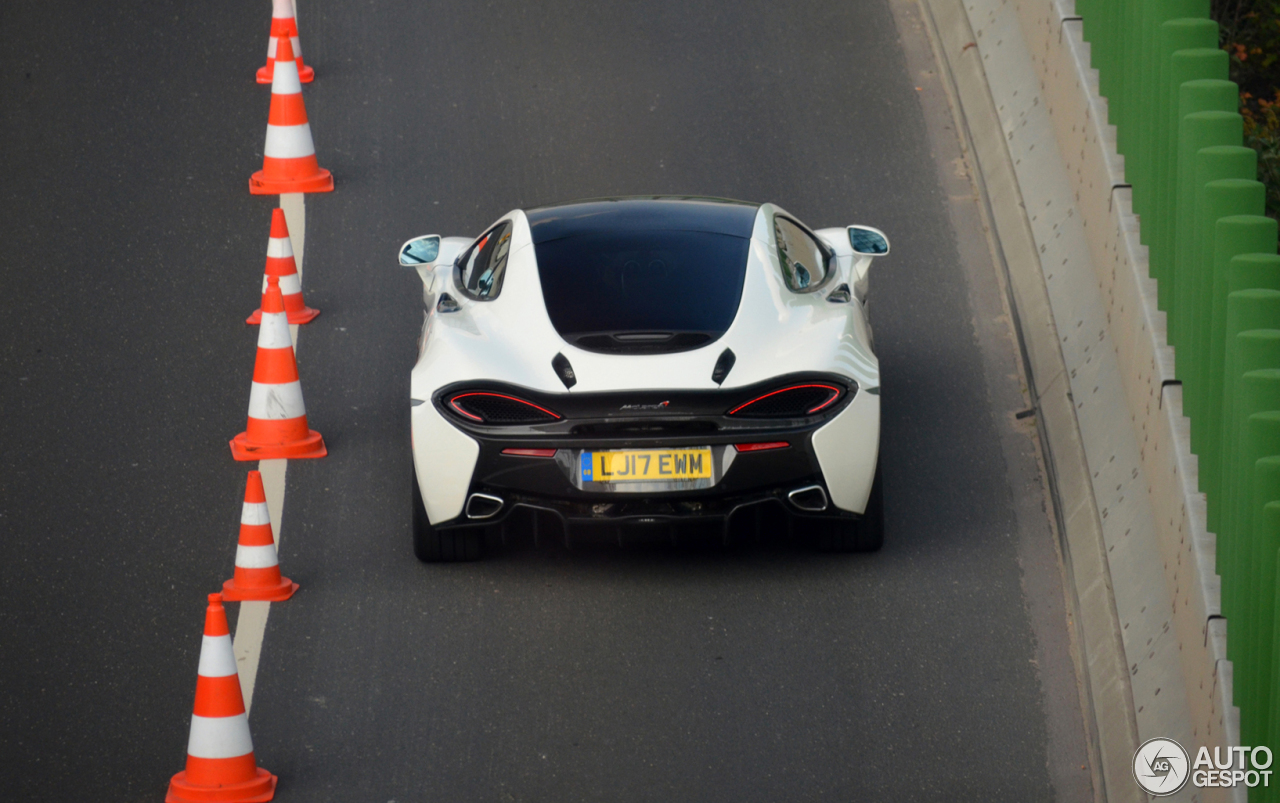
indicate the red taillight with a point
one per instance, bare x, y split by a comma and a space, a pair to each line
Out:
760, 447
499, 408
790, 402
530, 452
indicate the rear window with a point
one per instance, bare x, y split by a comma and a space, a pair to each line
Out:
638, 291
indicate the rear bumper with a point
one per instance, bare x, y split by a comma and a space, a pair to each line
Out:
837, 456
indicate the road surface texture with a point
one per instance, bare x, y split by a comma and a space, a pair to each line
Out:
938, 669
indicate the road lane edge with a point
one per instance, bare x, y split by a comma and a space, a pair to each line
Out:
251, 621
1107, 700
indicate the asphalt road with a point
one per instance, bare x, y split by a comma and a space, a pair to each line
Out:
937, 669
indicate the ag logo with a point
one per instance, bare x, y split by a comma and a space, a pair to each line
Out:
1161, 766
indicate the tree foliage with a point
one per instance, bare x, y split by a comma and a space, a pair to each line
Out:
1250, 33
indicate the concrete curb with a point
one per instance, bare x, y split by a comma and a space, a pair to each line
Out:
1141, 563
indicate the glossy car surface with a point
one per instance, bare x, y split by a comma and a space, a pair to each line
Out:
651, 362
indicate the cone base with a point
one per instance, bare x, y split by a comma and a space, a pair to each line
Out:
304, 315
257, 790
277, 593
259, 184
311, 446
306, 75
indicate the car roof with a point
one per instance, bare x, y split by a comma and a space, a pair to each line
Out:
644, 213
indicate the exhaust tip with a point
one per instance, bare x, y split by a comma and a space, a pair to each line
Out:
483, 506
810, 498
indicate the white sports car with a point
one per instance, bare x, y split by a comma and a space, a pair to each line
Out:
660, 363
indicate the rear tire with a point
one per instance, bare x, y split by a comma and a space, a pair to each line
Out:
442, 546
865, 534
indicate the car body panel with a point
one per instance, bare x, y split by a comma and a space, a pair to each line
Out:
511, 339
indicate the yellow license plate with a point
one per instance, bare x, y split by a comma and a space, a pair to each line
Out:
646, 465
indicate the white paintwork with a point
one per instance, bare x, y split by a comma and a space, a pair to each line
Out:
512, 339
256, 557
216, 657
444, 458
219, 737
847, 448
289, 141
276, 402
255, 513
855, 267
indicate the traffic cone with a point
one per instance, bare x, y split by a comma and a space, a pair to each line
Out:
220, 762
257, 574
284, 24
277, 417
289, 157
280, 264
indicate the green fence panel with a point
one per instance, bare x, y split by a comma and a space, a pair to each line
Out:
1251, 692
1249, 313
1146, 118
1214, 200
1233, 236
1174, 35
1196, 131
1128, 44
1259, 409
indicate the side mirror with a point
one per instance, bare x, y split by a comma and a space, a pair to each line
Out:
868, 241
420, 251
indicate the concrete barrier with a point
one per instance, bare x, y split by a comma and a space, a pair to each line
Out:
1093, 334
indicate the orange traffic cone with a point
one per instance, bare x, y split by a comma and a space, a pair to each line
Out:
289, 157
277, 417
220, 762
280, 264
257, 574
284, 24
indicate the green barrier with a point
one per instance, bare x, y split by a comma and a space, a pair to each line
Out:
1175, 35
1233, 236
1252, 675
1258, 438
1261, 540
1250, 315
1241, 313
1214, 200
1196, 131
1118, 66
1191, 96
1145, 94
1098, 33
1273, 509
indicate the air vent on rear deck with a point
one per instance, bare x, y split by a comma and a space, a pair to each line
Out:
641, 342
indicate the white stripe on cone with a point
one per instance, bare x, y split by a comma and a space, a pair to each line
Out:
274, 331
271, 47
289, 284
255, 513
276, 402
285, 81
256, 557
216, 657
282, 9
219, 737
289, 142
279, 247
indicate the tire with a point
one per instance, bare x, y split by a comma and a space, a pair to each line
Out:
865, 534
448, 546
